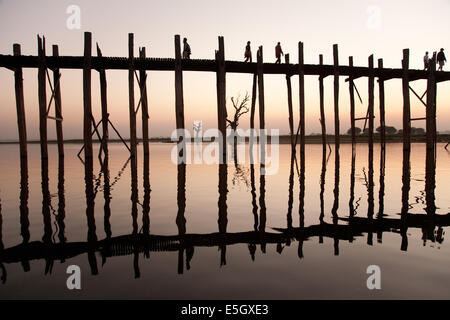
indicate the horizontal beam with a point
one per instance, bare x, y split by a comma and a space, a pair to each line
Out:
168, 64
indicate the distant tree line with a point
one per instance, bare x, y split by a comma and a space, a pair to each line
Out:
388, 129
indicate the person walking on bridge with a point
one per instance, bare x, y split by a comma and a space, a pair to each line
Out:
186, 49
426, 61
441, 60
278, 53
248, 53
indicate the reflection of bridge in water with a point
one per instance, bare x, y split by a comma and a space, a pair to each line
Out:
142, 242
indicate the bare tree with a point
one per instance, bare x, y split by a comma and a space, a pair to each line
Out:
240, 108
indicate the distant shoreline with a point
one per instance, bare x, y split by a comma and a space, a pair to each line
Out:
285, 139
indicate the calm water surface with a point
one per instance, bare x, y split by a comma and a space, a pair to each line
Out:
225, 232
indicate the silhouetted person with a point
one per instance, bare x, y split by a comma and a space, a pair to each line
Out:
426, 61
248, 53
278, 53
186, 49
441, 59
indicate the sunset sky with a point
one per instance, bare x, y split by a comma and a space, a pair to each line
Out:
360, 27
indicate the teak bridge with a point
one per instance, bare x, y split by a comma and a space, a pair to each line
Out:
220, 66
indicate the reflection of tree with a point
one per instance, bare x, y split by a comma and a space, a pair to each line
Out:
240, 175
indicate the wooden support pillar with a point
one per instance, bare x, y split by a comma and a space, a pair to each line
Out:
42, 98
406, 102
322, 108
382, 107
133, 140
221, 98
351, 87
144, 102
179, 103
87, 102
252, 111
301, 78
260, 87
431, 107
336, 96
262, 135
371, 104
58, 105
104, 102
252, 119
20, 106
289, 96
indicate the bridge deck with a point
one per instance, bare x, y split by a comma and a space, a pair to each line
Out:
168, 64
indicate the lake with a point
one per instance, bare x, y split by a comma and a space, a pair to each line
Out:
208, 231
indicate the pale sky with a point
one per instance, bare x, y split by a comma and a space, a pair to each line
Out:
360, 27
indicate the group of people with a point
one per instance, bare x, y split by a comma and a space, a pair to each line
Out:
440, 60
248, 53
440, 57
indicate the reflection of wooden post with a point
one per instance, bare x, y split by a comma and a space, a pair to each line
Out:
431, 106
221, 96
322, 108
352, 102
301, 75
104, 102
42, 98
371, 103
180, 219
20, 105
382, 106
87, 123
179, 103
289, 96
144, 102
223, 210
133, 142
336, 95
406, 102
58, 105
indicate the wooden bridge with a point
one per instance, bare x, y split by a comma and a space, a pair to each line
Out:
220, 66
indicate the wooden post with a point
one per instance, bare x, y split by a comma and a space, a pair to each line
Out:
20, 106
221, 98
322, 108
262, 135
336, 96
289, 96
252, 111
371, 103
406, 102
260, 87
87, 102
179, 103
58, 105
144, 102
351, 87
431, 107
133, 142
104, 102
252, 119
42, 98
382, 107
301, 78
